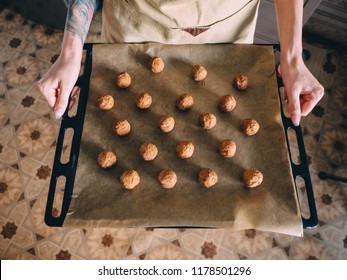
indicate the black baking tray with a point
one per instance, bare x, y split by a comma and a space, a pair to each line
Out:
68, 170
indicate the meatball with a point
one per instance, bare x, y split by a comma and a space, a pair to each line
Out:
148, 151
185, 149
123, 80
167, 178
227, 103
207, 120
130, 179
107, 159
166, 123
208, 177
106, 102
198, 72
144, 100
184, 102
121, 127
156, 65
252, 177
250, 127
227, 148
240, 81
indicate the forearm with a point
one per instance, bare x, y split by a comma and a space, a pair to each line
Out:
302, 91
289, 21
78, 19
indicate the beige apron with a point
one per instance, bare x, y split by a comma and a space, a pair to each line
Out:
179, 21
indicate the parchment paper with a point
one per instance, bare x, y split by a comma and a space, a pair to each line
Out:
99, 199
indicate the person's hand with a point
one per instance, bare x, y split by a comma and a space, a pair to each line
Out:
57, 84
302, 91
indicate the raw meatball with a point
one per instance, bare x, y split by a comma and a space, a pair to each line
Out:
185, 101
121, 127
123, 80
250, 127
207, 120
252, 177
144, 100
227, 148
156, 64
240, 81
130, 179
167, 178
148, 151
106, 102
208, 177
227, 103
107, 159
185, 149
166, 123
199, 72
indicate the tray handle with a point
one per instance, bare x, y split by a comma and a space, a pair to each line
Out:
301, 169
68, 170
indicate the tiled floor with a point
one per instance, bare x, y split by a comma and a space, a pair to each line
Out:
28, 133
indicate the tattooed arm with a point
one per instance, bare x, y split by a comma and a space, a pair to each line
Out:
57, 84
79, 17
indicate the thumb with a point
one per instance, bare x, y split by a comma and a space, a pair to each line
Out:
294, 107
61, 103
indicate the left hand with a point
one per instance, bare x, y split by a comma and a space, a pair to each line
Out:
301, 89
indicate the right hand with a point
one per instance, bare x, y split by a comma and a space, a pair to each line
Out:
301, 89
57, 84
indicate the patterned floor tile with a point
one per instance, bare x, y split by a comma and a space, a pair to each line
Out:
10, 21
225, 254
330, 201
248, 242
47, 37
163, 251
12, 230
283, 240
276, 253
215, 235
48, 250
142, 240
166, 233
108, 244
15, 253
11, 186
193, 243
311, 249
333, 235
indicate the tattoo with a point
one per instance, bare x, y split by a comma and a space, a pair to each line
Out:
79, 17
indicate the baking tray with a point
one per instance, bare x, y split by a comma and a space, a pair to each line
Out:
76, 122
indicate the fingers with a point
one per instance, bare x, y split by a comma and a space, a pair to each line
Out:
48, 90
61, 102
309, 100
294, 106
301, 104
57, 95
302, 90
